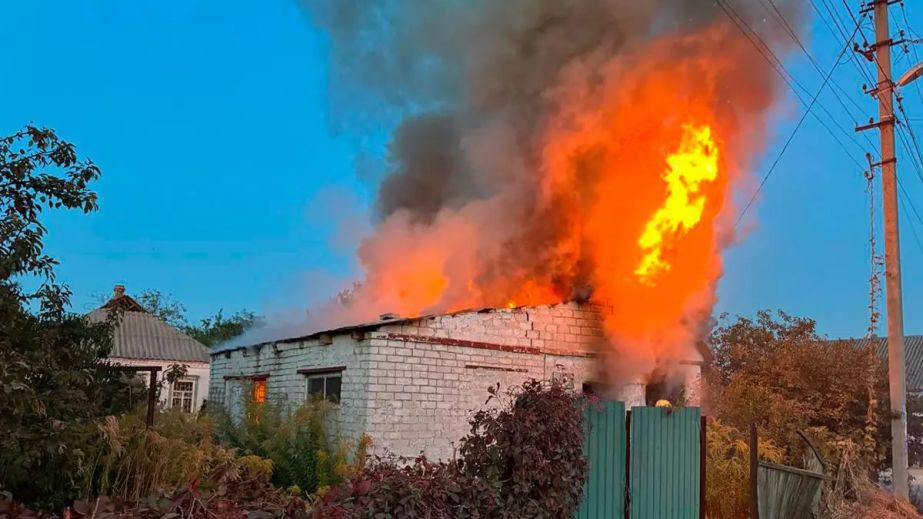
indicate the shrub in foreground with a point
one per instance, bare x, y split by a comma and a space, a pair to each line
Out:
523, 458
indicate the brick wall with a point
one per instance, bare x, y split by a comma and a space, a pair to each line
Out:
413, 385
284, 385
428, 376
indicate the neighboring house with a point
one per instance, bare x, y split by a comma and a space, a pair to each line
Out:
913, 359
140, 339
411, 383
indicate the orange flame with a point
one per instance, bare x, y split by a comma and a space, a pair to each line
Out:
623, 190
695, 162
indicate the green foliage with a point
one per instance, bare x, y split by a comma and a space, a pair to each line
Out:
523, 458
303, 454
37, 170
53, 386
218, 328
163, 306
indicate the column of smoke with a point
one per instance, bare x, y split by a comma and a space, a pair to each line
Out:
530, 147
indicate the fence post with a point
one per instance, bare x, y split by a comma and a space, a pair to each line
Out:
152, 397
754, 468
703, 455
627, 464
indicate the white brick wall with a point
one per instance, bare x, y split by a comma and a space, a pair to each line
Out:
421, 395
284, 384
413, 385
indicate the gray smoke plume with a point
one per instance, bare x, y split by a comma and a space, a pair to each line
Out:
473, 88
450, 67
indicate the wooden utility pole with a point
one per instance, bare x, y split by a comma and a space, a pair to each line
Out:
896, 369
754, 473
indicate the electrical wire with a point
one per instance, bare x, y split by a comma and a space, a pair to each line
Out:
791, 32
776, 63
797, 127
863, 72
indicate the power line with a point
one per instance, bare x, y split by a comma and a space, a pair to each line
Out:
863, 72
916, 157
916, 55
913, 137
794, 131
776, 63
817, 67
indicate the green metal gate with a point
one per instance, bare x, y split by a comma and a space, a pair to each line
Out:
665, 463
665, 459
604, 446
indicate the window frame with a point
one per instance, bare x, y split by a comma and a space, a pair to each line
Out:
192, 393
323, 374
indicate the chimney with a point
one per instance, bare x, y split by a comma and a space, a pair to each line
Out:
118, 291
388, 317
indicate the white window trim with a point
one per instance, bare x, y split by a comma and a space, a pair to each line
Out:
195, 392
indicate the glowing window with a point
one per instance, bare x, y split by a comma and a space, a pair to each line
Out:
259, 390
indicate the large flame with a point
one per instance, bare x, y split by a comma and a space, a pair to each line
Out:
615, 185
695, 162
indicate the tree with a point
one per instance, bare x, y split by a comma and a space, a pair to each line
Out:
217, 329
210, 330
54, 383
778, 372
163, 306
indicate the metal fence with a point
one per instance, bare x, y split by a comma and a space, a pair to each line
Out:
648, 463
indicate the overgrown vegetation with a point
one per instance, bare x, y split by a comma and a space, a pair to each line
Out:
132, 462
523, 458
775, 371
728, 465
305, 456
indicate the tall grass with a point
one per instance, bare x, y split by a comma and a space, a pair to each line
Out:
133, 462
305, 456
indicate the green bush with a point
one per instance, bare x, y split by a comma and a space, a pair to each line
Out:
305, 457
54, 390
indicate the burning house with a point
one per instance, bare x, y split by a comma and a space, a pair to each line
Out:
411, 383
538, 148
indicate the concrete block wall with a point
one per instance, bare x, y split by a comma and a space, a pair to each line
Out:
414, 384
422, 394
281, 362
566, 327
429, 375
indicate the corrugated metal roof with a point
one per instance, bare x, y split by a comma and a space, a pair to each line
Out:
913, 355
140, 335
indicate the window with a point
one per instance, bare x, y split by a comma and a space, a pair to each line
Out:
323, 382
183, 394
259, 390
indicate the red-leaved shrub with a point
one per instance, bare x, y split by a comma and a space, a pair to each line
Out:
522, 459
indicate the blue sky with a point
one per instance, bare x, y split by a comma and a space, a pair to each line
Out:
223, 182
